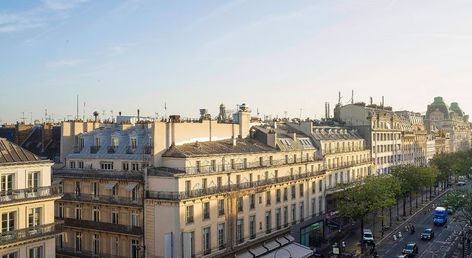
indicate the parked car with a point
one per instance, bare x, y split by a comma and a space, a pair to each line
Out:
402, 256
410, 249
450, 211
368, 237
460, 183
427, 234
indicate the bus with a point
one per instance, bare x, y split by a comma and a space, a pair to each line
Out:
440, 216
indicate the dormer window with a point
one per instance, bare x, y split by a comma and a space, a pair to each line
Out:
134, 143
81, 142
97, 141
115, 141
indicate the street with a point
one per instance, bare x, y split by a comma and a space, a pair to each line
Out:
445, 242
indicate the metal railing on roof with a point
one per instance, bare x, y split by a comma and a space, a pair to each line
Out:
67, 251
103, 226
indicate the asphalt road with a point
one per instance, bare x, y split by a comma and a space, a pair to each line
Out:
444, 243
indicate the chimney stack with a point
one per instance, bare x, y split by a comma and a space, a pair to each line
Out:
138, 114
383, 101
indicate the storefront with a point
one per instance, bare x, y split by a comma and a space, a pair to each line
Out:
312, 235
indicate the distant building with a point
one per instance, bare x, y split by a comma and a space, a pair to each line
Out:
26, 204
452, 121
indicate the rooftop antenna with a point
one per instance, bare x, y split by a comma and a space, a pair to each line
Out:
77, 115
301, 109
23, 117
352, 97
46, 115
371, 100
31, 117
383, 101
285, 114
83, 112
257, 111
339, 98
165, 110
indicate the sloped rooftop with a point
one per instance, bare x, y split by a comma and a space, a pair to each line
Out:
11, 153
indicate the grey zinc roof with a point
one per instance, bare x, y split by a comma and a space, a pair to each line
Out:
247, 145
323, 133
11, 153
143, 136
285, 138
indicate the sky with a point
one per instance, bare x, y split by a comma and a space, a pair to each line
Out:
275, 56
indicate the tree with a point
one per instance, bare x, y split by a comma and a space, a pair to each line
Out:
357, 200
406, 176
459, 201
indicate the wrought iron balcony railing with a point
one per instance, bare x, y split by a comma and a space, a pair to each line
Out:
103, 226
66, 251
16, 195
107, 199
13, 236
166, 195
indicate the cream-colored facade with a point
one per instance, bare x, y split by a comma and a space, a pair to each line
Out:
26, 204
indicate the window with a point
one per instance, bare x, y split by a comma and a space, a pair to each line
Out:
285, 194
240, 230
6, 184
106, 165
313, 187
286, 159
320, 185
206, 241
114, 217
135, 193
134, 248
95, 189
81, 164
114, 246
78, 212
294, 194
60, 210
97, 141
221, 236
204, 184
206, 210
114, 190
213, 165
96, 214
252, 226
239, 204
33, 181
268, 198
278, 193
8, 221
77, 188
268, 220
96, 244
278, 219
294, 214
78, 242
115, 141
187, 187
221, 207
285, 216
72, 164
313, 207
10, 255
266, 175
125, 166
232, 164
34, 217
238, 180
261, 161
134, 166
199, 166
300, 187
252, 201
271, 160
35, 252
219, 182
320, 204
189, 214
245, 163
134, 218
302, 211
134, 143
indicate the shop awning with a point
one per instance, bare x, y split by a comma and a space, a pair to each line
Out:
110, 185
131, 186
295, 250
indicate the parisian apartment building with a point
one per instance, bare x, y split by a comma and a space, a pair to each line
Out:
230, 186
27, 200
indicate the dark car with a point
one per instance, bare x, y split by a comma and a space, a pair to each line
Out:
427, 234
410, 249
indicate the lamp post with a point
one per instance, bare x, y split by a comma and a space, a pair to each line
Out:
290, 254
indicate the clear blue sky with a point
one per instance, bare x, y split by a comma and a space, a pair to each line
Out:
275, 56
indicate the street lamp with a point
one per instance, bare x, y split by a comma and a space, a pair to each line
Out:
289, 254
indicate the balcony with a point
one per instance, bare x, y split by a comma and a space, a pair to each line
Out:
28, 194
104, 227
94, 149
240, 166
70, 252
105, 199
176, 196
11, 237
